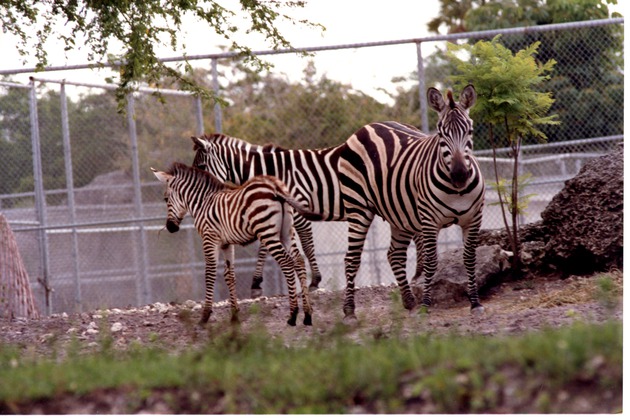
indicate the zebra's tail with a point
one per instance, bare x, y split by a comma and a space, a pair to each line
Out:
283, 195
301, 208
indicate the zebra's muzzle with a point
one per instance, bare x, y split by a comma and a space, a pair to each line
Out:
460, 173
172, 226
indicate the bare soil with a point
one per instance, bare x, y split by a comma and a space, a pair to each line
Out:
511, 308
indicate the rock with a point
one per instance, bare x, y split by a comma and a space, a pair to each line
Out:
584, 221
110, 188
450, 283
116, 327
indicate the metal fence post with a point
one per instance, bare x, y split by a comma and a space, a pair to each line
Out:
218, 118
40, 197
143, 288
422, 88
199, 114
67, 155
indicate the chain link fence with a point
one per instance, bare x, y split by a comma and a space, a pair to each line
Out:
88, 215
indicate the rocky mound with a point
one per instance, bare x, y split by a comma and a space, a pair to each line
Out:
584, 221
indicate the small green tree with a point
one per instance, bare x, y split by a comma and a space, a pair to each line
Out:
508, 101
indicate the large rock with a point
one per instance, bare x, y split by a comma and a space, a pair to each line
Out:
450, 283
584, 221
109, 188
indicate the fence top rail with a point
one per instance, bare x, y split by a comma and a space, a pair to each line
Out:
618, 137
14, 85
448, 37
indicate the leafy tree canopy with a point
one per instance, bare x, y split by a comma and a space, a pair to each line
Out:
475, 15
139, 26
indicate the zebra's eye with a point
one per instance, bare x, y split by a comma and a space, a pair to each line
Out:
202, 166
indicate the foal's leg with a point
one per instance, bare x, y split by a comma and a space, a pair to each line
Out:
277, 251
228, 255
210, 253
258, 273
298, 262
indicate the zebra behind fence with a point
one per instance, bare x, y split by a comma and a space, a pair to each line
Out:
419, 184
262, 208
310, 175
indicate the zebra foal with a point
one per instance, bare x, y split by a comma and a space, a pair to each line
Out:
224, 216
310, 175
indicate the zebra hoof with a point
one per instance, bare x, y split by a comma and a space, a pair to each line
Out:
350, 320
477, 310
420, 310
291, 322
308, 320
256, 293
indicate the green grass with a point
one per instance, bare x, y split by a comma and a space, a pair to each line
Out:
238, 373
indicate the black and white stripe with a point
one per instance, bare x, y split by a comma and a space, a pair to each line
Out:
261, 209
419, 184
310, 175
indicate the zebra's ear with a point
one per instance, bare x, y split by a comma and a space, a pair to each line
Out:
435, 99
468, 97
199, 143
161, 176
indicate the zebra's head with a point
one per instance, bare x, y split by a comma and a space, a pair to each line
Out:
208, 158
174, 202
455, 130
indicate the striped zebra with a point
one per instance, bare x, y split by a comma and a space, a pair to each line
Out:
419, 184
310, 175
224, 215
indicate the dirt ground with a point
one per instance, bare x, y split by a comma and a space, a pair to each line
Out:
511, 308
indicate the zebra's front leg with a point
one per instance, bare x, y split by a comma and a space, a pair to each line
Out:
256, 290
228, 256
417, 239
304, 230
429, 240
210, 251
471, 241
300, 270
397, 257
357, 232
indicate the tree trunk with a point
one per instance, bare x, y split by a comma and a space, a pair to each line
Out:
16, 297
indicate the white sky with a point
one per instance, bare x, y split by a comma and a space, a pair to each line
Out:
346, 22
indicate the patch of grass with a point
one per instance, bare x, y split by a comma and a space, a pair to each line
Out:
607, 289
254, 373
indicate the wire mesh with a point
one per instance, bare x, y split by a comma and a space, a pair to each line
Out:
96, 240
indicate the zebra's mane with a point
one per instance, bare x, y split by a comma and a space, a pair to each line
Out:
198, 175
240, 143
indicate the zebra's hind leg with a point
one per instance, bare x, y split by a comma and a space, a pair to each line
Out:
228, 255
357, 232
304, 230
256, 290
282, 257
397, 257
301, 273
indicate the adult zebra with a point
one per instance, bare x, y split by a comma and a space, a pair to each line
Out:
262, 208
310, 175
419, 184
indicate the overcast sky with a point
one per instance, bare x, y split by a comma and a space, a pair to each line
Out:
346, 22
